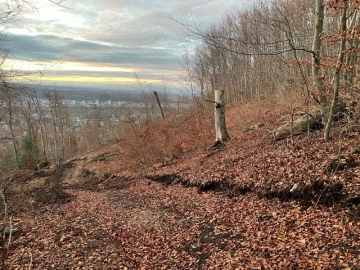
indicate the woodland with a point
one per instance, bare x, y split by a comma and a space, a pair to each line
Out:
279, 188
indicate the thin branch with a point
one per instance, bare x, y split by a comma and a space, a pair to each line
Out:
211, 39
211, 101
31, 261
60, 4
10, 231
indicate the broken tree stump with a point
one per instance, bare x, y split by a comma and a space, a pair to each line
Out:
301, 123
220, 125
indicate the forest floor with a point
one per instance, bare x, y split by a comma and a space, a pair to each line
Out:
251, 204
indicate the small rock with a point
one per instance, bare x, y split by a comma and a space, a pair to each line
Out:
295, 187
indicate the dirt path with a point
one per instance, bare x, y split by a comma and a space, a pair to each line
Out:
73, 176
142, 224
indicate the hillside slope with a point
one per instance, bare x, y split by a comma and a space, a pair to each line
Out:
252, 204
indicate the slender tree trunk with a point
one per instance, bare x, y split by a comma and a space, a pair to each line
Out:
56, 147
26, 110
11, 126
42, 125
159, 104
63, 150
334, 102
13, 139
42, 137
220, 125
69, 145
86, 137
349, 72
54, 103
316, 48
354, 56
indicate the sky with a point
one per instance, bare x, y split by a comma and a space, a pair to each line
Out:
104, 43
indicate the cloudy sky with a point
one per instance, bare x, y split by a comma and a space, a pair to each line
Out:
103, 43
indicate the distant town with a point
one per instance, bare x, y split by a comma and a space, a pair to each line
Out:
90, 103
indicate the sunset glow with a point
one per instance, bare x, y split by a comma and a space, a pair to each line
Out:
105, 41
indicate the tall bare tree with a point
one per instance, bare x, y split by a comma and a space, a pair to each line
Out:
318, 80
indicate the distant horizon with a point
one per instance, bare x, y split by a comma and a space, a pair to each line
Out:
103, 44
100, 89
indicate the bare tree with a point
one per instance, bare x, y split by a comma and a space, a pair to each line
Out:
9, 99
59, 123
251, 53
316, 60
41, 123
338, 68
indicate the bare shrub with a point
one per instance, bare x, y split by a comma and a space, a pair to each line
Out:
150, 141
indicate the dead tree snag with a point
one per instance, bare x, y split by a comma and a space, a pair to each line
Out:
220, 124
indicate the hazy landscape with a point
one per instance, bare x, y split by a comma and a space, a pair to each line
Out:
168, 135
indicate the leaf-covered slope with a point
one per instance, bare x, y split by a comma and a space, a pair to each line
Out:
252, 204
311, 169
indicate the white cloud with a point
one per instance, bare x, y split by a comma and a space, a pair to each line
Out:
132, 34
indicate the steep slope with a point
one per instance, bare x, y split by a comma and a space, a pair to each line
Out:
252, 204
318, 172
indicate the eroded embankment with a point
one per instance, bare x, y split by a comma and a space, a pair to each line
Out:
308, 173
318, 193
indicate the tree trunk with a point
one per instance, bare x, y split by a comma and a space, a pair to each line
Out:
350, 55
220, 125
316, 48
159, 104
351, 76
10, 123
301, 123
334, 102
